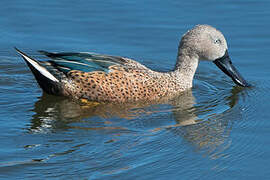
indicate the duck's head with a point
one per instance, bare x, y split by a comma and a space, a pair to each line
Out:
207, 43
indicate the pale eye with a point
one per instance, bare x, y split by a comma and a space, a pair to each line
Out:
217, 41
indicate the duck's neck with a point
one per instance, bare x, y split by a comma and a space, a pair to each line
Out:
185, 69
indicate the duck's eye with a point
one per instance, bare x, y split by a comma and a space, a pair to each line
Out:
217, 41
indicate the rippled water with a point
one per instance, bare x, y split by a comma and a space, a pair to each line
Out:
216, 130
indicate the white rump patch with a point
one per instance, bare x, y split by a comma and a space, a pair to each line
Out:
41, 69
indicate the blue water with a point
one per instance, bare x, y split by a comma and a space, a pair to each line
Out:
215, 131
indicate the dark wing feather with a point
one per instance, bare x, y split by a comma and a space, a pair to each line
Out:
86, 62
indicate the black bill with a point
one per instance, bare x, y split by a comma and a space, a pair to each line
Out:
225, 64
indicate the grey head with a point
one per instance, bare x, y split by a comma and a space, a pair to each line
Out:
207, 43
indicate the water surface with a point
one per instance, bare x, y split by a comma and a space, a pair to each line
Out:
214, 131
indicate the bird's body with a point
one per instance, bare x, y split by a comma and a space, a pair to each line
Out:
104, 78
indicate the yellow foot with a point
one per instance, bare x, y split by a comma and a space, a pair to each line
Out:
87, 104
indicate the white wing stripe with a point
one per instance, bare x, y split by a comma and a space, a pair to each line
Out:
72, 62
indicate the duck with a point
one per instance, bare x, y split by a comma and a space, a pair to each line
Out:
106, 78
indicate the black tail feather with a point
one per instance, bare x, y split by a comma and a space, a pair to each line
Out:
48, 83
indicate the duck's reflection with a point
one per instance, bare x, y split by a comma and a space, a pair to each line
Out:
207, 132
